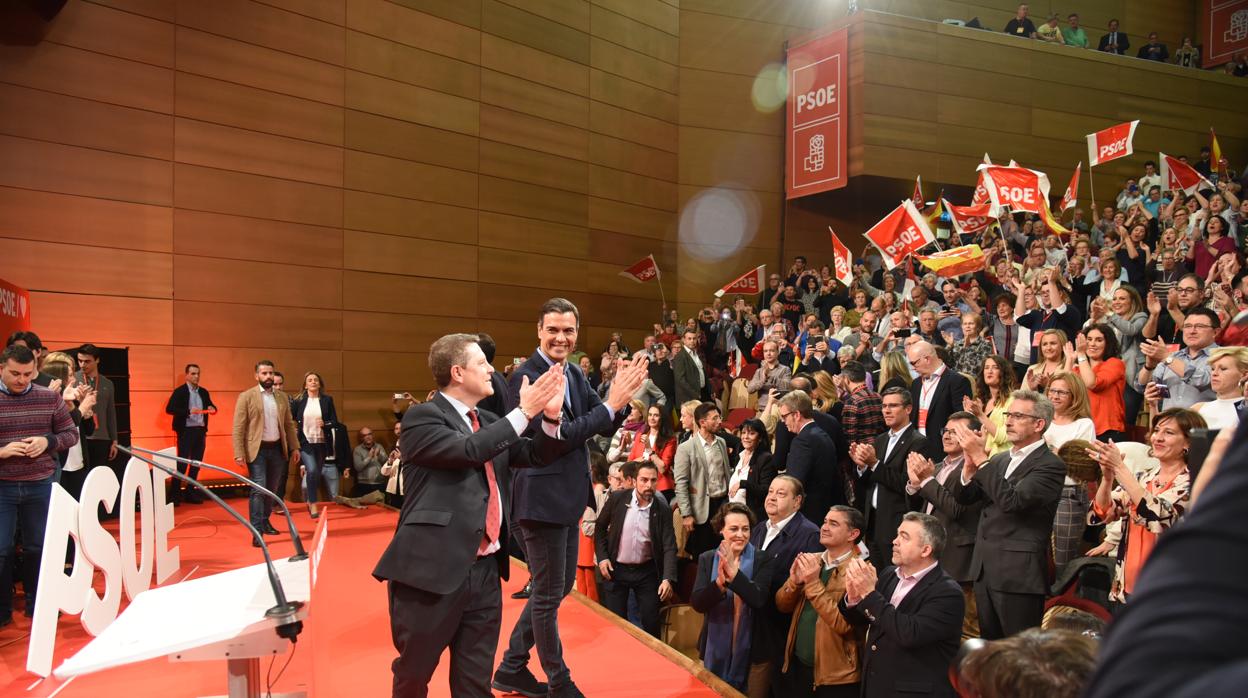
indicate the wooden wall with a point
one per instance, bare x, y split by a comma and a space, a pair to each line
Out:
334, 183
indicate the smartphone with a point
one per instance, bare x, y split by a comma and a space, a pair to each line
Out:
902, 332
517, 361
398, 396
1163, 390
727, 315
1198, 450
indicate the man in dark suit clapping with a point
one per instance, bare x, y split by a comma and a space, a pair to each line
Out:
914, 610
547, 504
882, 474
1020, 488
450, 548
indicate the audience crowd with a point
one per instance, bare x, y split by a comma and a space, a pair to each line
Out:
843, 483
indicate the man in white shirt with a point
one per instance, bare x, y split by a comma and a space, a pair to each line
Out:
913, 611
1020, 489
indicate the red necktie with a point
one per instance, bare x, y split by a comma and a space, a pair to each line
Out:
493, 512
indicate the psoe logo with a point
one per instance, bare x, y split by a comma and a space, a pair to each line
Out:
814, 160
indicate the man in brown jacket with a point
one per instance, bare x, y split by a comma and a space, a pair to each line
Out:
265, 443
822, 656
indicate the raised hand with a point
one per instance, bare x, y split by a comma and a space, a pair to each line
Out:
1154, 304
629, 375
975, 407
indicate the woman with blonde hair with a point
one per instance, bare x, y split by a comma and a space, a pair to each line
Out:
1052, 361
825, 391
1228, 371
1072, 420
894, 371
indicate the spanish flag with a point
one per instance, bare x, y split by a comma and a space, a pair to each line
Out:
955, 262
1216, 151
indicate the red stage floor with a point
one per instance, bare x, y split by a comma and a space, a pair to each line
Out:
345, 650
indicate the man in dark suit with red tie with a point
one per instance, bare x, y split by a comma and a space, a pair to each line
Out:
913, 613
450, 548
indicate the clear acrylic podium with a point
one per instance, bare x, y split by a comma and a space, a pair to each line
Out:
219, 617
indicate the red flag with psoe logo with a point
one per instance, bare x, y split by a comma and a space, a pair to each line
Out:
967, 220
902, 232
1177, 175
1112, 143
842, 264
749, 282
1017, 187
644, 270
917, 196
1071, 196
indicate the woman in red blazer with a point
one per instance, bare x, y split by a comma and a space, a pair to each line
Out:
657, 444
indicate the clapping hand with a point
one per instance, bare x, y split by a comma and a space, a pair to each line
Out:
807, 567
919, 468
973, 444
629, 375
542, 393
1154, 304
1109, 458
863, 454
975, 407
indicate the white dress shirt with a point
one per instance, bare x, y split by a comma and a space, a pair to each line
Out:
774, 530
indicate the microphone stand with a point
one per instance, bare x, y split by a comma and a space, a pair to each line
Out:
284, 613
300, 554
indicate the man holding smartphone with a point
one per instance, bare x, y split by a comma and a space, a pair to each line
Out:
1184, 372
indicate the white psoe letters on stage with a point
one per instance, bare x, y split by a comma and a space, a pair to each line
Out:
121, 562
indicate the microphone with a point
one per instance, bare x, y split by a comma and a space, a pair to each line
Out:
300, 554
284, 613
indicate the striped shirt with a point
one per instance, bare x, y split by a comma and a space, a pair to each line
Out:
36, 412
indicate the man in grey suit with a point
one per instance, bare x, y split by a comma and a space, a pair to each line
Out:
934, 485
701, 471
1020, 488
687, 367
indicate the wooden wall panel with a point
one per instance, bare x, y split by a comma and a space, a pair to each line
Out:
105, 320
425, 31
389, 292
411, 103
112, 32
257, 66
389, 59
205, 234
414, 180
243, 194
230, 104
34, 215
259, 24
533, 133
397, 216
238, 281
236, 325
84, 171
237, 150
532, 98
71, 71
90, 270
47, 116
393, 254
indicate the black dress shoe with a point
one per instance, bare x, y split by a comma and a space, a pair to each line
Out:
568, 690
525, 592
522, 682
268, 530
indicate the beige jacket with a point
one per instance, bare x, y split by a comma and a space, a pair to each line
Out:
838, 654
249, 424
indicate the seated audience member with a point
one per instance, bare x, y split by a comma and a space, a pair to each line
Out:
1050, 32
784, 534
812, 456
822, 654
1187, 56
1154, 50
771, 374
1150, 502
1184, 373
733, 583
636, 548
1021, 25
882, 474
754, 470
1020, 489
1228, 370
701, 473
1072, 421
1033, 664
912, 611
1114, 41
1073, 34
935, 485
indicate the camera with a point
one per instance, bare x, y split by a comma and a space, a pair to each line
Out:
901, 332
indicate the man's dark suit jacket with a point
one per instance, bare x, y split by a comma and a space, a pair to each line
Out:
687, 381
610, 525
443, 517
812, 458
179, 405
559, 492
771, 627
884, 518
1012, 543
946, 399
665, 378
1123, 43
499, 401
909, 647
960, 522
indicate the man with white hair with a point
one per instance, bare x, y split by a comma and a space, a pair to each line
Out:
937, 392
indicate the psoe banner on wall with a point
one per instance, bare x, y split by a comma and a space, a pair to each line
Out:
1223, 30
817, 115
14, 308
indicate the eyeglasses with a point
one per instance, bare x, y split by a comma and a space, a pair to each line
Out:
891, 405
1181, 289
1020, 415
1197, 327
785, 415
1058, 393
